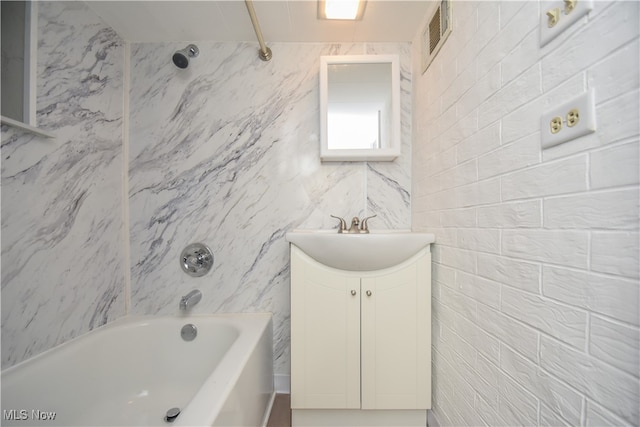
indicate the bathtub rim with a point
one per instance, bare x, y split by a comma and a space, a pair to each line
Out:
129, 320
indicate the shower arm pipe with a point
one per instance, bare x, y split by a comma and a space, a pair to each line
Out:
264, 53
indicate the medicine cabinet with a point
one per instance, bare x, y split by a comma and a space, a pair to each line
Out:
19, 69
359, 107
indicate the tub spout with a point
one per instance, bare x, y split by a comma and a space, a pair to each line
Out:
189, 300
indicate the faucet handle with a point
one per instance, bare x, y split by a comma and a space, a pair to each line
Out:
343, 224
364, 227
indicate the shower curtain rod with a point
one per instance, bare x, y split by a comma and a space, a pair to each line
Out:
264, 53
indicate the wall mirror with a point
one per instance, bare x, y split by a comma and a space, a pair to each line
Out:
359, 108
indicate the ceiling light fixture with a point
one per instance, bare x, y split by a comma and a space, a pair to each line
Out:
341, 9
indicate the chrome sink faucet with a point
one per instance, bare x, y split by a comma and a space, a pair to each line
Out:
357, 226
189, 300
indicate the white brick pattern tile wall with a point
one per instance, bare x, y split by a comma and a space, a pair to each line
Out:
535, 273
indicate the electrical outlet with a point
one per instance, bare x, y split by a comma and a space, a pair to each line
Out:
570, 120
556, 124
569, 6
556, 16
573, 117
553, 15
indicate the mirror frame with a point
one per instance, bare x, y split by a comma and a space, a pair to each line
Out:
393, 147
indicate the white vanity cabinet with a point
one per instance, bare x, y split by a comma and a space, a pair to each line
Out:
360, 343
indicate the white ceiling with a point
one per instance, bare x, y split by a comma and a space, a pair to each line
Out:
281, 21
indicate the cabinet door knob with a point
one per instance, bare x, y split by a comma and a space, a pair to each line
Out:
368, 293
353, 292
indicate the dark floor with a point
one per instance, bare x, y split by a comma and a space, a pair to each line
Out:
281, 412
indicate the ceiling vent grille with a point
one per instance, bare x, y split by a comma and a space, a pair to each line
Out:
435, 33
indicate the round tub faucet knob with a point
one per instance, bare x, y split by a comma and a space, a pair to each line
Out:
196, 259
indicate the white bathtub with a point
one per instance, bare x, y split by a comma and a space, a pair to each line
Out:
131, 371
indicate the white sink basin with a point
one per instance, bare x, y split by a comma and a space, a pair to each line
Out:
360, 252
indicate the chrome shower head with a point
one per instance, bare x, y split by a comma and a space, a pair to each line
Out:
181, 57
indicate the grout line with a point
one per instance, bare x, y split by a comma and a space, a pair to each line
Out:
125, 177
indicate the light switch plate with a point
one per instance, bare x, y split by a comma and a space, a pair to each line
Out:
565, 20
584, 106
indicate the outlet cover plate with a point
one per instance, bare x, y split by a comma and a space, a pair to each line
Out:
585, 104
582, 7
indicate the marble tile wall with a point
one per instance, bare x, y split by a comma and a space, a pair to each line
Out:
226, 153
62, 224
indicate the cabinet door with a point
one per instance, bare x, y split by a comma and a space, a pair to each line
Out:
396, 338
325, 336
